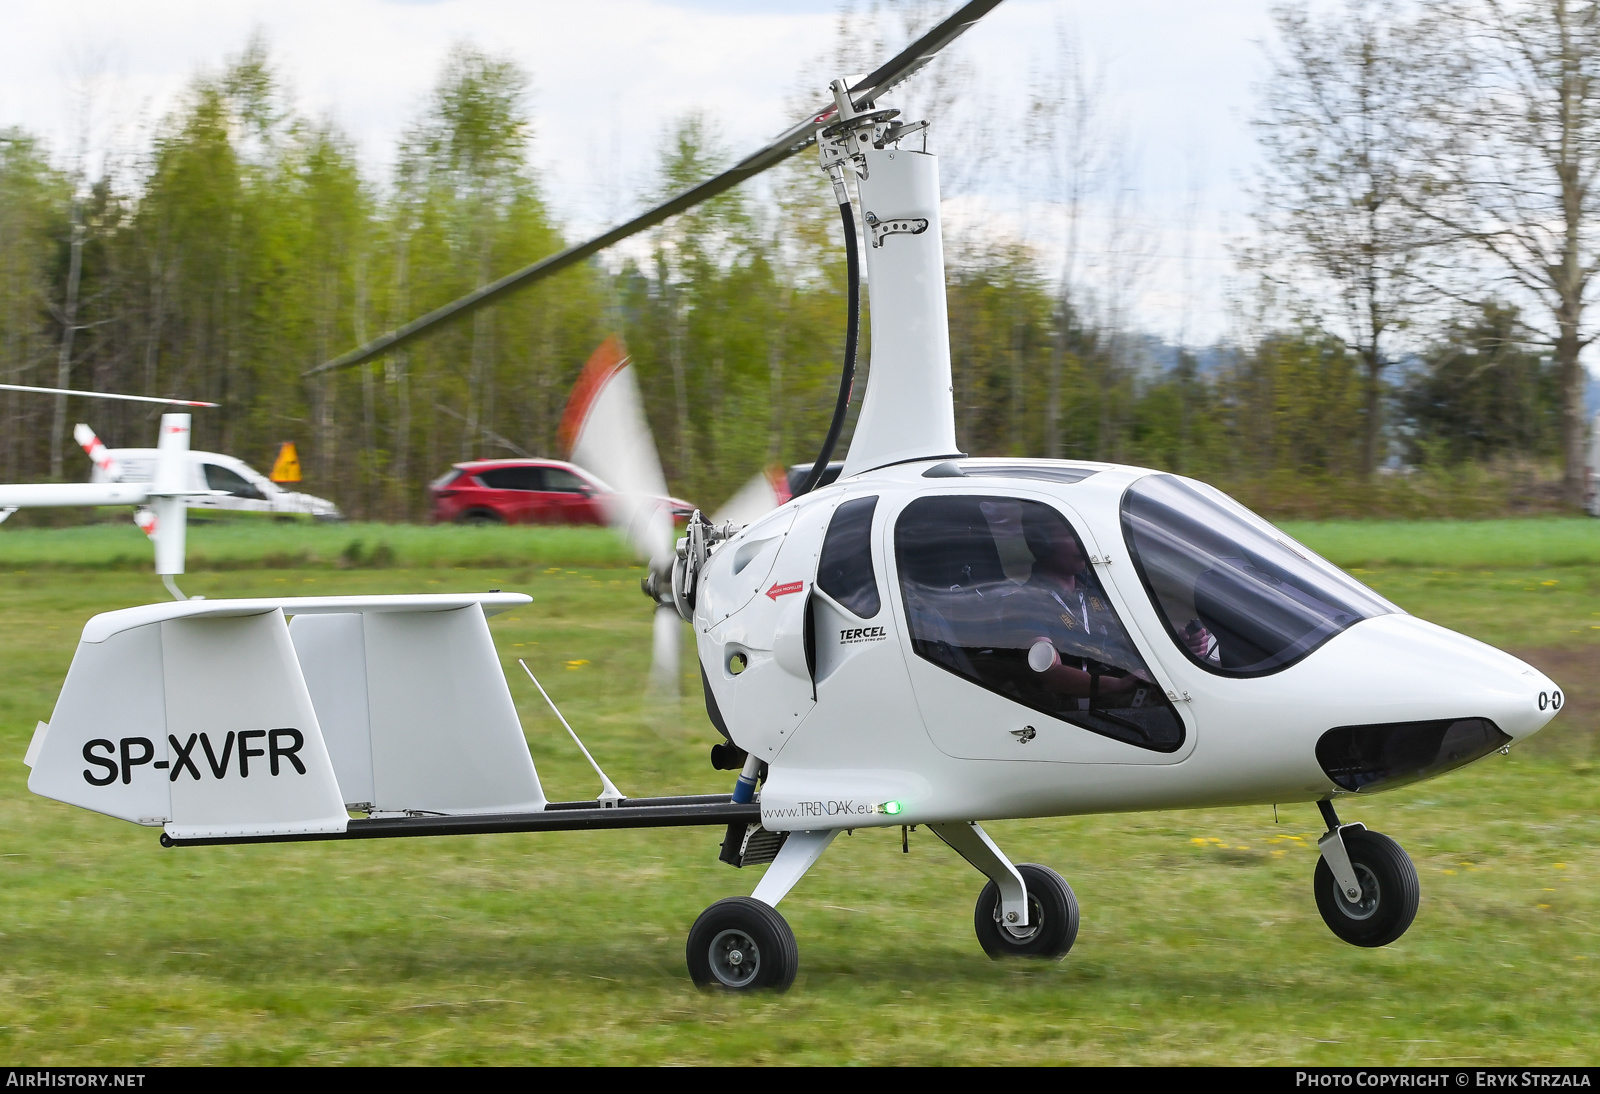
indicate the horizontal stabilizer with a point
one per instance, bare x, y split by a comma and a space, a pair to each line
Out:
43, 495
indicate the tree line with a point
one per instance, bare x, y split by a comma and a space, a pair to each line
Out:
247, 244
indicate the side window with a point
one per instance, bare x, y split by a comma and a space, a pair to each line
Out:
999, 591
513, 478
845, 571
563, 481
221, 478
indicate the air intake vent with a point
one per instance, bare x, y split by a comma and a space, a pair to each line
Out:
1395, 753
751, 845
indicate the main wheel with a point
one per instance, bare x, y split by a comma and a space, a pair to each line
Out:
742, 944
1052, 917
1390, 892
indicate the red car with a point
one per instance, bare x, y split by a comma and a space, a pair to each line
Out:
524, 492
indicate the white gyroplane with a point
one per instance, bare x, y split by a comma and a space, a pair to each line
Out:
161, 495
932, 640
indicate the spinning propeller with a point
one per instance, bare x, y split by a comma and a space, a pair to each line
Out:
604, 431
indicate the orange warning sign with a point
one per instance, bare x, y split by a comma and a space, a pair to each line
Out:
286, 468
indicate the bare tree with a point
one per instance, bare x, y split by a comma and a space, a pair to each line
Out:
1514, 105
1119, 265
1336, 230
90, 69
1067, 132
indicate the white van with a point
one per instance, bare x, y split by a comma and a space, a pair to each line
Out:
248, 490
1591, 493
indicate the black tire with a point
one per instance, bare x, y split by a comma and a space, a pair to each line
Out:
480, 517
1390, 891
742, 944
1052, 917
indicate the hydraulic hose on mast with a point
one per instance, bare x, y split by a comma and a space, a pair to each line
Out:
852, 334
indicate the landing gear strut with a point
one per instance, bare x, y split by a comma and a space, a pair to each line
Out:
1376, 899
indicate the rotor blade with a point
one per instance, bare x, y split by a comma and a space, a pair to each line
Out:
920, 52
791, 141
752, 501
104, 395
786, 144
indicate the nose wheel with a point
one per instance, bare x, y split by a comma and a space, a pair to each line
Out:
742, 944
1390, 892
1052, 917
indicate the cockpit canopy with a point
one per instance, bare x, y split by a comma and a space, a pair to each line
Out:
1208, 562
998, 591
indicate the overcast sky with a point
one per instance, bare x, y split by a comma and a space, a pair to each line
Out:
609, 75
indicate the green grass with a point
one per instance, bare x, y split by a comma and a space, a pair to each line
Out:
1531, 541
1200, 939
253, 544
1453, 544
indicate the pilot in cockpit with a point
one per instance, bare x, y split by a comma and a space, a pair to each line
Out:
1079, 647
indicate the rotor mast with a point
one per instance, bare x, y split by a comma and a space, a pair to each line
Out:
908, 412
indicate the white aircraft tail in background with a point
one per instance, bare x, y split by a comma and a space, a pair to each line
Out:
162, 509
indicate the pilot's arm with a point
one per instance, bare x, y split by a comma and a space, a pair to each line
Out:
1045, 659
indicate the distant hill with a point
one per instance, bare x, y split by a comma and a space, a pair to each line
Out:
1155, 355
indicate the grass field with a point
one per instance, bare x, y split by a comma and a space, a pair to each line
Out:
1200, 940
257, 544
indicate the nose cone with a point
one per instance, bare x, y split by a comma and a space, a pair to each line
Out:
1426, 671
